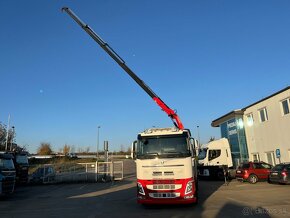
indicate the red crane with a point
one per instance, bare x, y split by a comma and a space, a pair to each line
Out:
171, 113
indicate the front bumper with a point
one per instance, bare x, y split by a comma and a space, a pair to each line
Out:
167, 192
7, 186
242, 177
167, 201
284, 180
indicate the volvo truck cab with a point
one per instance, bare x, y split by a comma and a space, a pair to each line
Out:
166, 167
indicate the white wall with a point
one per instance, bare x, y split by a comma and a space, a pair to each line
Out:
267, 136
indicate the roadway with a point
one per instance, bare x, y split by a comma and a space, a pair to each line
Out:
118, 199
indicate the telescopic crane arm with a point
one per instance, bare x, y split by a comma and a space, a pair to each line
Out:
171, 113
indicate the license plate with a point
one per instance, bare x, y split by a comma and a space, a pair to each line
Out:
274, 174
238, 171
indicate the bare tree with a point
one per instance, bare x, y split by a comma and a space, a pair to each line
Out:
212, 138
44, 149
80, 150
3, 137
2, 134
66, 149
129, 149
121, 148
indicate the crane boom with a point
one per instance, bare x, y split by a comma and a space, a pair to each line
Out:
171, 113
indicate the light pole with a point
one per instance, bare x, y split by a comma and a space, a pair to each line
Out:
98, 142
198, 137
12, 138
7, 133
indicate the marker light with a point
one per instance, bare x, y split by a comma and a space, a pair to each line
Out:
188, 187
140, 189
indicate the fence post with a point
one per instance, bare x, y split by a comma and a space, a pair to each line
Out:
96, 171
43, 179
112, 172
86, 171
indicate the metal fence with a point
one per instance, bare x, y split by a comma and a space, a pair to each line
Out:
110, 171
77, 172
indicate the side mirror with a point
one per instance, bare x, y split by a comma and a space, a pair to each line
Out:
192, 147
133, 150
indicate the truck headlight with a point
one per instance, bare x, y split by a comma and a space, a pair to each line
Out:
188, 188
140, 189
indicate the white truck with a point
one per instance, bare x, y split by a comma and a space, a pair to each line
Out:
7, 174
166, 167
215, 159
165, 157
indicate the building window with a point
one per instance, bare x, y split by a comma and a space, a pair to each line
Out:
285, 106
270, 158
224, 130
256, 157
263, 115
250, 119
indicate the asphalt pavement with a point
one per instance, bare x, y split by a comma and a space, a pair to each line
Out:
118, 199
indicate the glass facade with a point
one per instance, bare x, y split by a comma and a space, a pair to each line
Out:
234, 131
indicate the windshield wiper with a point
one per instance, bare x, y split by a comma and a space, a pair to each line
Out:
176, 152
148, 155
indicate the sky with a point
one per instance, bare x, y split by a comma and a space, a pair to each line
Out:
202, 58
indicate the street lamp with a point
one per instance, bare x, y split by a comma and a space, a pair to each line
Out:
7, 133
198, 136
98, 142
12, 138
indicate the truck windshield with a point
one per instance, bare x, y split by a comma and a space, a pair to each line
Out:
21, 159
202, 154
6, 164
162, 147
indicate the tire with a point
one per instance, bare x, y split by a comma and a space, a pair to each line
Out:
253, 179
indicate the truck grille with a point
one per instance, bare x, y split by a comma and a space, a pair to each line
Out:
156, 173
165, 173
8, 185
168, 173
9, 173
164, 195
164, 186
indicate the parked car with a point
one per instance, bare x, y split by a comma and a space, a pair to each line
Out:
72, 155
280, 174
43, 174
253, 171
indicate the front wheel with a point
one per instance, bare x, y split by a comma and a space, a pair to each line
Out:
253, 179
